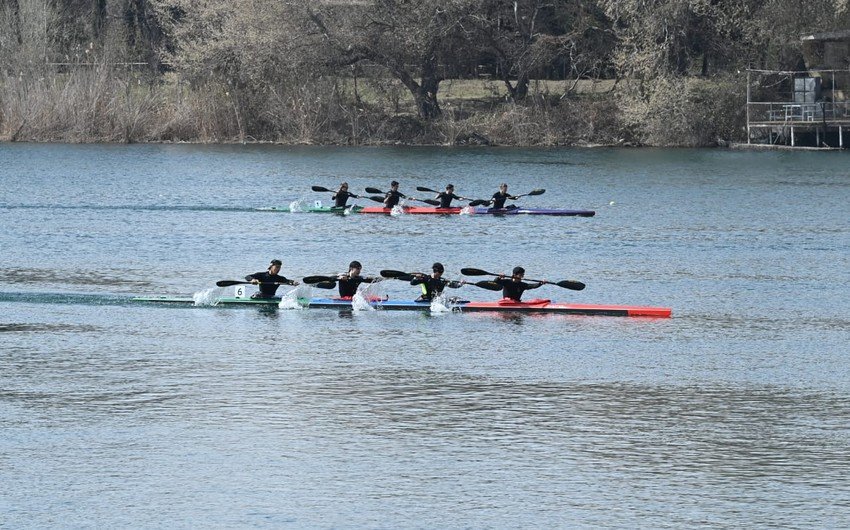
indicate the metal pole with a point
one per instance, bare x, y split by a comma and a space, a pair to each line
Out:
792, 136
748, 106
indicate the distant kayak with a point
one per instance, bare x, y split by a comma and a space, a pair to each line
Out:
461, 306
428, 210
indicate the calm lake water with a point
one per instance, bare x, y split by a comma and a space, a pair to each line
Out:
734, 413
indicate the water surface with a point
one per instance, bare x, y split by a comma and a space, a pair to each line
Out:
734, 413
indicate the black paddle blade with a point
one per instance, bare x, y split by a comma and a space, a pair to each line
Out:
432, 202
388, 273
373, 190
422, 188
478, 202
476, 272
571, 284
228, 283
490, 286
325, 285
376, 198
319, 279
321, 189
536, 192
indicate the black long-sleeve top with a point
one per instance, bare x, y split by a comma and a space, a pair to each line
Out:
432, 287
514, 290
268, 282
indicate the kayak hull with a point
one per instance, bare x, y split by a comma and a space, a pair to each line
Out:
534, 211
499, 306
426, 210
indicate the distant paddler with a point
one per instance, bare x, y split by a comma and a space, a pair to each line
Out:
499, 198
446, 197
268, 281
350, 281
394, 196
342, 195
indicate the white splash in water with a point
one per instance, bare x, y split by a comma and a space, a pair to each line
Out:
297, 298
360, 301
441, 304
207, 297
467, 210
397, 210
295, 207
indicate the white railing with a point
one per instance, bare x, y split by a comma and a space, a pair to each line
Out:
790, 112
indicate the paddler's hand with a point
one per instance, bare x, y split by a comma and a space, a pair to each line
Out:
255, 281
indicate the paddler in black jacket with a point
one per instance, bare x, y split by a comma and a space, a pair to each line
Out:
268, 281
513, 287
433, 285
340, 198
393, 196
349, 281
499, 198
446, 197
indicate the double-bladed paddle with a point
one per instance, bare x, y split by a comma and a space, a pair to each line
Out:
482, 202
432, 202
322, 282
407, 276
422, 188
566, 284
322, 189
228, 283
328, 282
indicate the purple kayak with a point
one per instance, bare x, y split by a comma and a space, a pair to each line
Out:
533, 211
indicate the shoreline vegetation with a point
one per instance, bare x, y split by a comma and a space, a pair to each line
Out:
99, 105
392, 72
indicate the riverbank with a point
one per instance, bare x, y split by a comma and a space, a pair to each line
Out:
94, 106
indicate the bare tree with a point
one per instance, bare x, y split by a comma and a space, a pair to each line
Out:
413, 41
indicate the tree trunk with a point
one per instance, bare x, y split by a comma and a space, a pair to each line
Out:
424, 94
16, 20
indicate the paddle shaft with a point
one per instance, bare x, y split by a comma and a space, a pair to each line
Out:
423, 188
407, 276
228, 283
566, 284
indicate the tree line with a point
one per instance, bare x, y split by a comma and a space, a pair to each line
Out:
372, 71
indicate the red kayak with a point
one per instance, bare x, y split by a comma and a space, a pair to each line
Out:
546, 306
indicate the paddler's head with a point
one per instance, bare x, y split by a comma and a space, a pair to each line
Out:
503, 188
275, 266
437, 269
354, 268
450, 188
394, 185
518, 274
